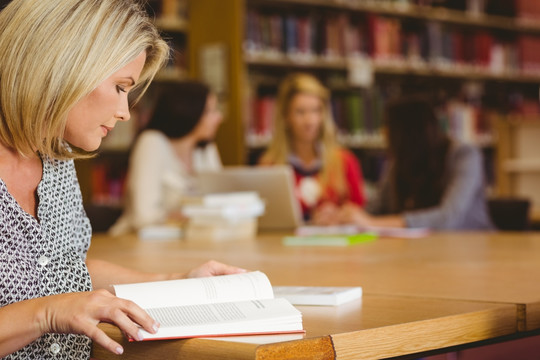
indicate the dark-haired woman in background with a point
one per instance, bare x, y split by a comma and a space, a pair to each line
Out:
175, 145
429, 181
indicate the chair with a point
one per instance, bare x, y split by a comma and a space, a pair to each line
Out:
102, 217
510, 214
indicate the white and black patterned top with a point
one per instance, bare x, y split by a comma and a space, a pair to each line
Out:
46, 256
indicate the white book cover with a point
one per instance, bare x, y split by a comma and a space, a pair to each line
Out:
318, 295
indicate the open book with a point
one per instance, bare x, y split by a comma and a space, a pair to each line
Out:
240, 304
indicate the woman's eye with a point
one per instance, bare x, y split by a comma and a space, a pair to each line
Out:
119, 88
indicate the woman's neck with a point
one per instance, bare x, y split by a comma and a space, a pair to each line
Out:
305, 152
184, 148
21, 175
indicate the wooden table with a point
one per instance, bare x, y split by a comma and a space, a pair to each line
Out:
420, 294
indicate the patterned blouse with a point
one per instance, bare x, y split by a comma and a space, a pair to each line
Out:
46, 256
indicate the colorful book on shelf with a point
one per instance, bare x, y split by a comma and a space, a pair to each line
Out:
318, 295
264, 114
355, 113
291, 37
239, 304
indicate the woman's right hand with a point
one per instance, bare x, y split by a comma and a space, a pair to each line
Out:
81, 313
326, 214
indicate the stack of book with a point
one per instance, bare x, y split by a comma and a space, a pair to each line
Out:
223, 216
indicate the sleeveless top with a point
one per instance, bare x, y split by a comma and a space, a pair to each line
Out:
46, 256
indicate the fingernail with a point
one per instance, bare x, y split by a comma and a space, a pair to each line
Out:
155, 327
140, 336
119, 350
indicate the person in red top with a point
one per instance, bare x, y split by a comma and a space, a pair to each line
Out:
328, 177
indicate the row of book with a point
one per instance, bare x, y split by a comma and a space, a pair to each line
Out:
358, 116
522, 9
108, 183
344, 34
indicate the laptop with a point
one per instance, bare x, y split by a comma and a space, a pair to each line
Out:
274, 184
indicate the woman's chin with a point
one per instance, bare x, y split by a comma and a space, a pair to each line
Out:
88, 147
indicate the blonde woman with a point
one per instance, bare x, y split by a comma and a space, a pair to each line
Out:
66, 69
328, 177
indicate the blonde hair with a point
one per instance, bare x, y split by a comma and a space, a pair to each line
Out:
280, 147
55, 52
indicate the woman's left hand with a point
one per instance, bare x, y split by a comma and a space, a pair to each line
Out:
214, 268
353, 214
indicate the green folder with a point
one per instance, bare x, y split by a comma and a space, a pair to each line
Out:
329, 240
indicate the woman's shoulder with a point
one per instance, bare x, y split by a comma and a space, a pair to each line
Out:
461, 149
151, 136
346, 155
464, 155
151, 139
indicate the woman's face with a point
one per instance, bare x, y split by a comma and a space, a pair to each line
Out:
210, 120
305, 117
91, 119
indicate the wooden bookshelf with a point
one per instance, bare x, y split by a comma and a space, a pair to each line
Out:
365, 141
397, 67
518, 159
402, 10
173, 25
248, 67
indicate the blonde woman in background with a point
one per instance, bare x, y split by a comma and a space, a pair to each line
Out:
327, 177
66, 69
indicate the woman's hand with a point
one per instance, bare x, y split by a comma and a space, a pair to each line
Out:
326, 214
354, 214
213, 268
80, 313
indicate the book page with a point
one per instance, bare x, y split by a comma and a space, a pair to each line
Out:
245, 317
225, 288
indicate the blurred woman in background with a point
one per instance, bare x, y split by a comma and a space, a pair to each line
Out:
328, 177
175, 145
430, 181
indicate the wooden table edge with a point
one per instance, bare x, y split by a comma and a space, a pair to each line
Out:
427, 335
320, 348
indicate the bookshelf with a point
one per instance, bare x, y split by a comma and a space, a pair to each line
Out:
396, 68
518, 163
405, 9
102, 178
259, 59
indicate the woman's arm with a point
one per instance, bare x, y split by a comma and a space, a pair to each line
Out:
23, 322
145, 182
466, 177
105, 274
353, 214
